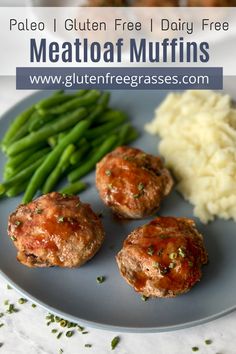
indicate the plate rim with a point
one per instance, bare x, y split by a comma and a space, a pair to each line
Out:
93, 324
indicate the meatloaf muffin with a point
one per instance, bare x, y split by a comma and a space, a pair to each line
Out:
163, 258
55, 230
132, 182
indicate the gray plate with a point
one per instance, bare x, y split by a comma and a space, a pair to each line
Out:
114, 305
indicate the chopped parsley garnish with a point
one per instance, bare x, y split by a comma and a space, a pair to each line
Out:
13, 238
181, 252
38, 211
208, 341
100, 279
18, 223
144, 298
195, 349
140, 186
69, 334
60, 219
150, 250
88, 345
173, 255
115, 341
22, 301
172, 265
108, 172
156, 265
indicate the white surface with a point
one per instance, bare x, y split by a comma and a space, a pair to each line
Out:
26, 330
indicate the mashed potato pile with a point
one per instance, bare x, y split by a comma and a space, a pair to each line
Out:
198, 131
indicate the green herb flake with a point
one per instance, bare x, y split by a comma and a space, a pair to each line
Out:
1, 314
1, 325
38, 211
108, 173
11, 309
195, 349
60, 219
80, 328
34, 305
150, 250
88, 345
1, 344
78, 205
9, 287
100, 279
6, 302
173, 255
136, 196
181, 252
85, 332
172, 265
63, 323
115, 341
54, 330
57, 319
61, 351
69, 334
18, 223
160, 251
13, 238
208, 341
59, 335
22, 301
140, 186
144, 298
190, 263
156, 265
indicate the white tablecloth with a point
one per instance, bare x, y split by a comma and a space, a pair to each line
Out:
26, 331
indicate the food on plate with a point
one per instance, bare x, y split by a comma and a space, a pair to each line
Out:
132, 182
198, 142
163, 258
61, 135
55, 230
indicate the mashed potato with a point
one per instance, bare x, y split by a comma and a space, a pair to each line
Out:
198, 131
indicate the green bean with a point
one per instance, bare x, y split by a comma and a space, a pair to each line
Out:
74, 188
52, 101
59, 169
37, 155
96, 156
51, 160
33, 138
123, 133
79, 154
105, 128
15, 161
110, 116
104, 99
133, 135
39, 121
15, 126
86, 100
21, 177
17, 189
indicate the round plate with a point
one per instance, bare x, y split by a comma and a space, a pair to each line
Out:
75, 294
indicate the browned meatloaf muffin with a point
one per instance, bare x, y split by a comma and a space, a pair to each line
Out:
163, 258
132, 182
55, 230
